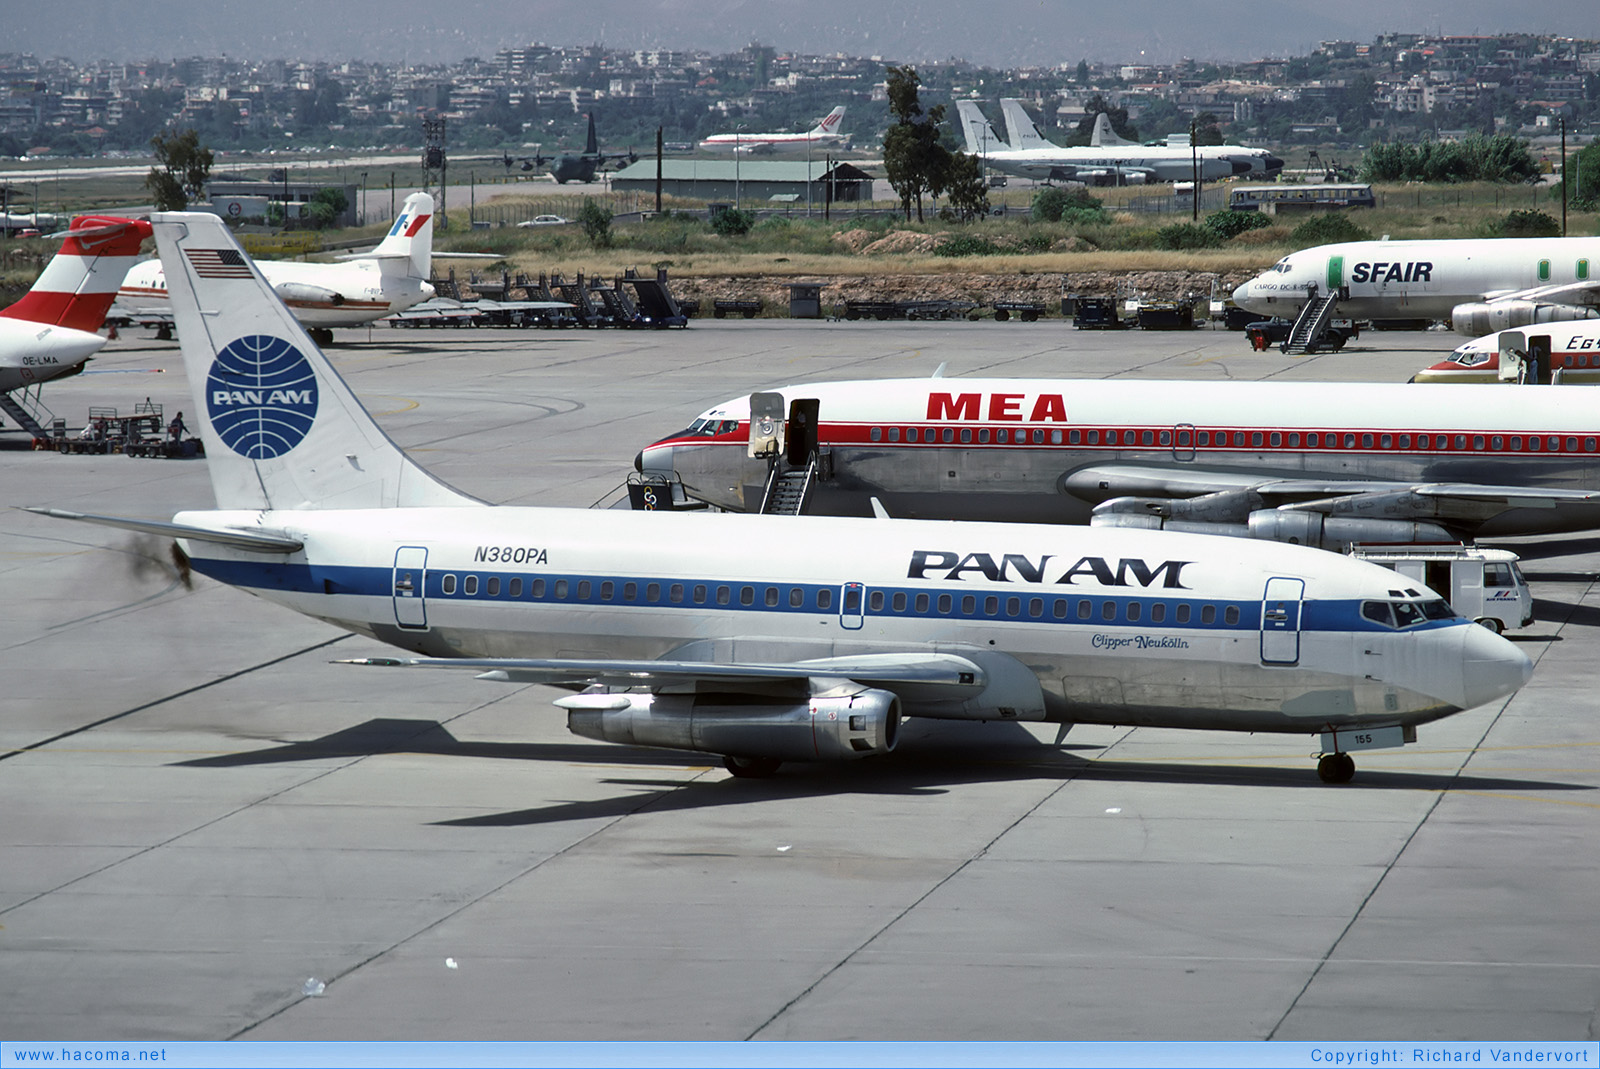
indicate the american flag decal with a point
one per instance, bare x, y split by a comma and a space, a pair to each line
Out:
218, 263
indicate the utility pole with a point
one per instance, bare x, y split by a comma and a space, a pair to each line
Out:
658, 170
1194, 167
1563, 176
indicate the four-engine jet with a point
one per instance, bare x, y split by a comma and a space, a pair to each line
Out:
1244, 160
367, 286
1108, 165
755, 637
1316, 463
1479, 284
50, 332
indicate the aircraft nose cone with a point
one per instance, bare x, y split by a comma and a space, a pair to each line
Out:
1491, 667
638, 461
1274, 165
1241, 295
655, 457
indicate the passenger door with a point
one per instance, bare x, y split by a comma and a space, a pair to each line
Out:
1280, 621
410, 587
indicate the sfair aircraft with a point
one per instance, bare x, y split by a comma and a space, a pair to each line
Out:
826, 132
1318, 463
1566, 353
367, 286
1243, 159
51, 331
1479, 284
752, 637
1107, 165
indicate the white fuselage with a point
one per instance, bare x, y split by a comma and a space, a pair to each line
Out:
1424, 279
1573, 347
1120, 627
36, 352
1029, 449
1160, 164
320, 295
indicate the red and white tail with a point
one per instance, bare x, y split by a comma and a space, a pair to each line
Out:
830, 122
79, 284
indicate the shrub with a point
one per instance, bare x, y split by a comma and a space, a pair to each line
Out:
595, 219
731, 222
1053, 204
1327, 229
1230, 224
966, 245
1187, 236
1526, 223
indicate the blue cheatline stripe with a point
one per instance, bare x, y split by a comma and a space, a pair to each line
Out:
921, 602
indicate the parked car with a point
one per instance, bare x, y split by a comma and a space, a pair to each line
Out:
543, 220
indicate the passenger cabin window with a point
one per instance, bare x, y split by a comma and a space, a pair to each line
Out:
470, 586
824, 599
583, 590
1230, 615
492, 587
448, 584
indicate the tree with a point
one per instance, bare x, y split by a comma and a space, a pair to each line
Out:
185, 165
327, 205
1207, 129
1083, 72
966, 193
1584, 169
1118, 116
596, 222
917, 164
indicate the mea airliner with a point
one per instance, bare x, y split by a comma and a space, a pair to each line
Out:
368, 286
1318, 463
1479, 284
826, 132
763, 639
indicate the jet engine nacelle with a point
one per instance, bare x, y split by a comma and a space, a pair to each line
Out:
1477, 319
832, 727
302, 293
1295, 526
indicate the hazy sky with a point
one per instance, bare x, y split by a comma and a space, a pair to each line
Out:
994, 32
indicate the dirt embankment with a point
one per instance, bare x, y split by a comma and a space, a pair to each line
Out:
978, 287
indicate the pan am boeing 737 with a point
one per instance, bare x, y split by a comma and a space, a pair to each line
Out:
753, 637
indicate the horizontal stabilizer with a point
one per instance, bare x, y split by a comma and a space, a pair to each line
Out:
260, 542
935, 669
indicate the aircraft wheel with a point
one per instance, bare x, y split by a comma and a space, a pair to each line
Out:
1491, 623
321, 335
751, 767
1336, 768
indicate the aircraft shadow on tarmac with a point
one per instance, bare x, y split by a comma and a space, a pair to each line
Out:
933, 758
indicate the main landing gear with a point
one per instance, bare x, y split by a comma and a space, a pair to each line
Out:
751, 767
321, 335
1336, 768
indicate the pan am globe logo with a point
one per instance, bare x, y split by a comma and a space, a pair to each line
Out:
261, 396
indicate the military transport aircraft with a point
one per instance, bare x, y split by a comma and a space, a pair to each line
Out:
750, 636
51, 331
583, 166
1318, 463
1479, 284
367, 286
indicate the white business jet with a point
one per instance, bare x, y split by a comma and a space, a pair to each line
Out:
1479, 284
366, 286
754, 637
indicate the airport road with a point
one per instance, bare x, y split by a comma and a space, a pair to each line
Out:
200, 812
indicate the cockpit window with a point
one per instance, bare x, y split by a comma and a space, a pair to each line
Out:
1470, 358
705, 428
1406, 613
1282, 266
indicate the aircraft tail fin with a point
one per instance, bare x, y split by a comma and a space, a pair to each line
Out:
591, 146
830, 122
281, 429
980, 136
1019, 128
408, 247
78, 285
1104, 134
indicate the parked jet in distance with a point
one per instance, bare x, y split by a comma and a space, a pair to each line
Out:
1479, 284
1567, 353
1245, 160
826, 132
51, 331
753, 637
1318, 463
367, 286
1095, 166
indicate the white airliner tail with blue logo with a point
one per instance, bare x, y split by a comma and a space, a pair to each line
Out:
281, 429
773, 638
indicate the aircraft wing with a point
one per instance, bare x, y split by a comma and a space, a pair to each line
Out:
957, 675
1588, 288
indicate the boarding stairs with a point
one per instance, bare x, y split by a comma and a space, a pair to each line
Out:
27, 412
788, 489
1313, 320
